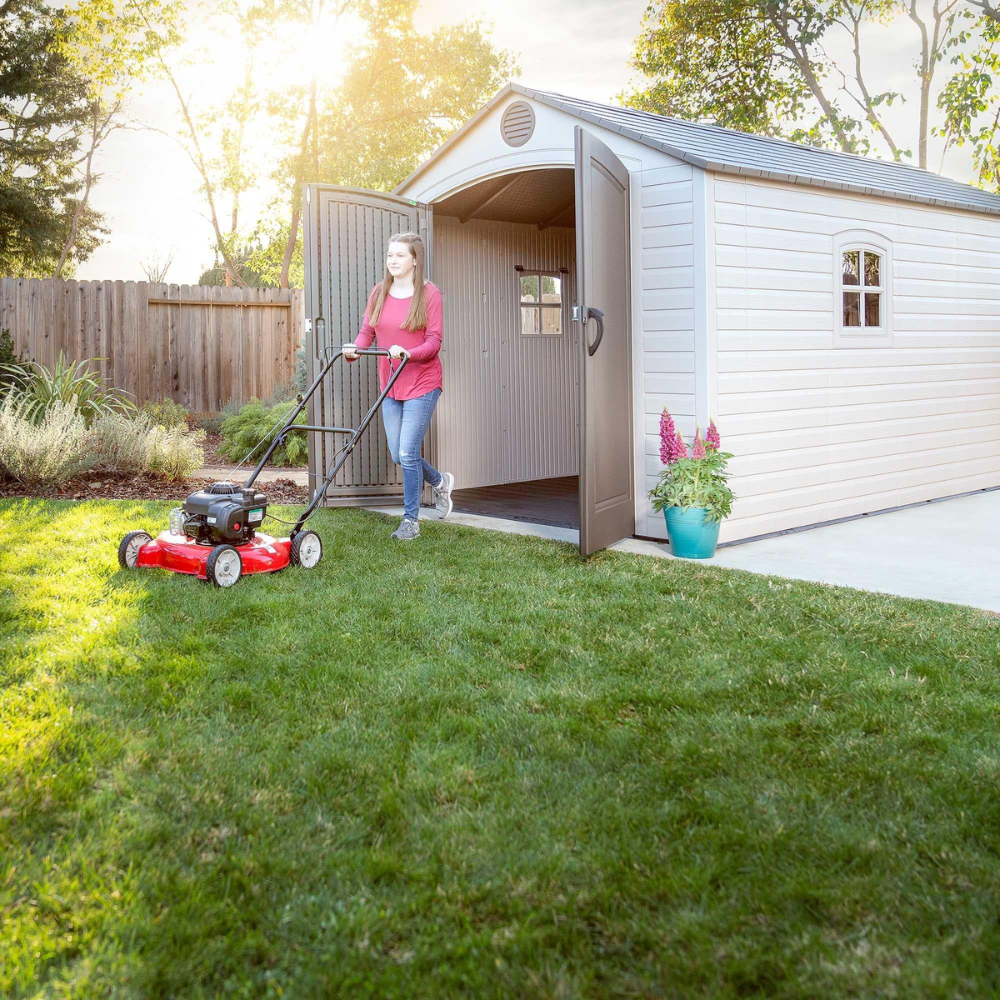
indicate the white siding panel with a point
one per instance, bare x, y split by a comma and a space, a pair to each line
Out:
819, 432
667, 303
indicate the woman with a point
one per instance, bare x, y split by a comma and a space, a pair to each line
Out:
404, 315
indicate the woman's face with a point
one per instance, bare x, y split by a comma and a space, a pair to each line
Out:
400, 261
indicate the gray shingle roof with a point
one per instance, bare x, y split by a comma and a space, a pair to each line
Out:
729, 151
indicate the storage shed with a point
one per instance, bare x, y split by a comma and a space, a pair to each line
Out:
838, 316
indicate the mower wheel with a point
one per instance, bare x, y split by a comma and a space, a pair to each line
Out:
224, 565
128, 549
306, 549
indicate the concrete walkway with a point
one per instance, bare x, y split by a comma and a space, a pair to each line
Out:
267, 475
945, 551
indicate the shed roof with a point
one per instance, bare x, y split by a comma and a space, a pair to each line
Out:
728, 151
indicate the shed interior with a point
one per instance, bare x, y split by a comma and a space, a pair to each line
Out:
507, 422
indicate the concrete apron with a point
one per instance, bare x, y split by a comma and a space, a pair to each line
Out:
947, 551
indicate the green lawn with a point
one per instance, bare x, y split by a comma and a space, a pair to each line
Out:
475, 766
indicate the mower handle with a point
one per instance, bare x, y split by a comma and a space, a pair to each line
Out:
328, 363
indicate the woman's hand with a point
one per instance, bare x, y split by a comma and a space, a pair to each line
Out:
350, 351
398, 352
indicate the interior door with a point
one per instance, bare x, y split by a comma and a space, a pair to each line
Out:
607, 500
346, 234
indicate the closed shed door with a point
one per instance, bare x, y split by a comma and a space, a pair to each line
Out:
346, 233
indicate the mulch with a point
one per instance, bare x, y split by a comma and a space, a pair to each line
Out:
144, 487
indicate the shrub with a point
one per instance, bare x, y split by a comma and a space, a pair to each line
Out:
120, 444
257, 424
284, 392
175, 452
165, 412
213, 422
299, 378
14, 368
72, 382
43, 452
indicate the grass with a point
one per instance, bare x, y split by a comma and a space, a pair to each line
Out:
475, 766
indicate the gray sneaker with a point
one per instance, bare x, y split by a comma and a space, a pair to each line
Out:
442, 494
408, 528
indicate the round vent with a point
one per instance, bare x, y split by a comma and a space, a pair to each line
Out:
223, 489
518, 123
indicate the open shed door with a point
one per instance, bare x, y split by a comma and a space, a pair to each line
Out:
345, 236
607, 494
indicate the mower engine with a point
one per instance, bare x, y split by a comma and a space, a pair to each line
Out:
222, 512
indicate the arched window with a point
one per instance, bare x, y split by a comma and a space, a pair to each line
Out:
863, 289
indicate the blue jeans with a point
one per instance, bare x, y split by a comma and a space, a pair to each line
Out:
405, 422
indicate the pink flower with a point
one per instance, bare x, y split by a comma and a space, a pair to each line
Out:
667, 443
698, 446
680, 448
713, 440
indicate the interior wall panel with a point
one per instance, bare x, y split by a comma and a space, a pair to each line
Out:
509, 409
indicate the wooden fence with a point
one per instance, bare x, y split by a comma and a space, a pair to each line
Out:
196, 344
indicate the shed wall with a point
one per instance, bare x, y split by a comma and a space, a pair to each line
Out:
667, 310
821, 432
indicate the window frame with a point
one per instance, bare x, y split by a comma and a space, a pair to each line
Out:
540, 273
862, 240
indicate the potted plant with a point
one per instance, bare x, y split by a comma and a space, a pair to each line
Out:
692, 490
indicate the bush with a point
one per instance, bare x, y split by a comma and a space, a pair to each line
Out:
213, 423
165, 412
299, 379
284, 392
175, 452
71, 382
14, 368
257, 424
45, 452
121, 445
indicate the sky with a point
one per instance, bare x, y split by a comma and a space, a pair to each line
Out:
149, 188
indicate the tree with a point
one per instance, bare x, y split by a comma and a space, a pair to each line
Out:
970, 98
402, 94
44, 111
765, 66
109, 45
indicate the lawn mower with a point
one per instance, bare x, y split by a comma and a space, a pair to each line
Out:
216, 534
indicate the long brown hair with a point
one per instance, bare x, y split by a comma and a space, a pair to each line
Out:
416, 318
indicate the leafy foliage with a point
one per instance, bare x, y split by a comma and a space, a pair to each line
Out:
696, 482
43, 452
765, 66
256, 424
212, 422
14, 368
166, 412
71, 382
121, 445
970, 103
175, 452
46, 111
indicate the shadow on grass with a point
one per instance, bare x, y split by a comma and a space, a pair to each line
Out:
474, 765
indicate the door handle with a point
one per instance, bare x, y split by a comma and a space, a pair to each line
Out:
589, 312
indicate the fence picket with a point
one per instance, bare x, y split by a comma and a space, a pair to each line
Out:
197, 345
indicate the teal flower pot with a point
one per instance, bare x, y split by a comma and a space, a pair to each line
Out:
691, 536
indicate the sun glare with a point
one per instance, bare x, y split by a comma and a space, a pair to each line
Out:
289, 58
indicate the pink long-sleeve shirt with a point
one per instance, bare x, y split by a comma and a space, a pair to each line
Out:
422, 372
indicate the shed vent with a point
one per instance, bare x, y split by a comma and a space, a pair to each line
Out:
518, 123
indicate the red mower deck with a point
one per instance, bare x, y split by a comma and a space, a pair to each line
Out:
262, 554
